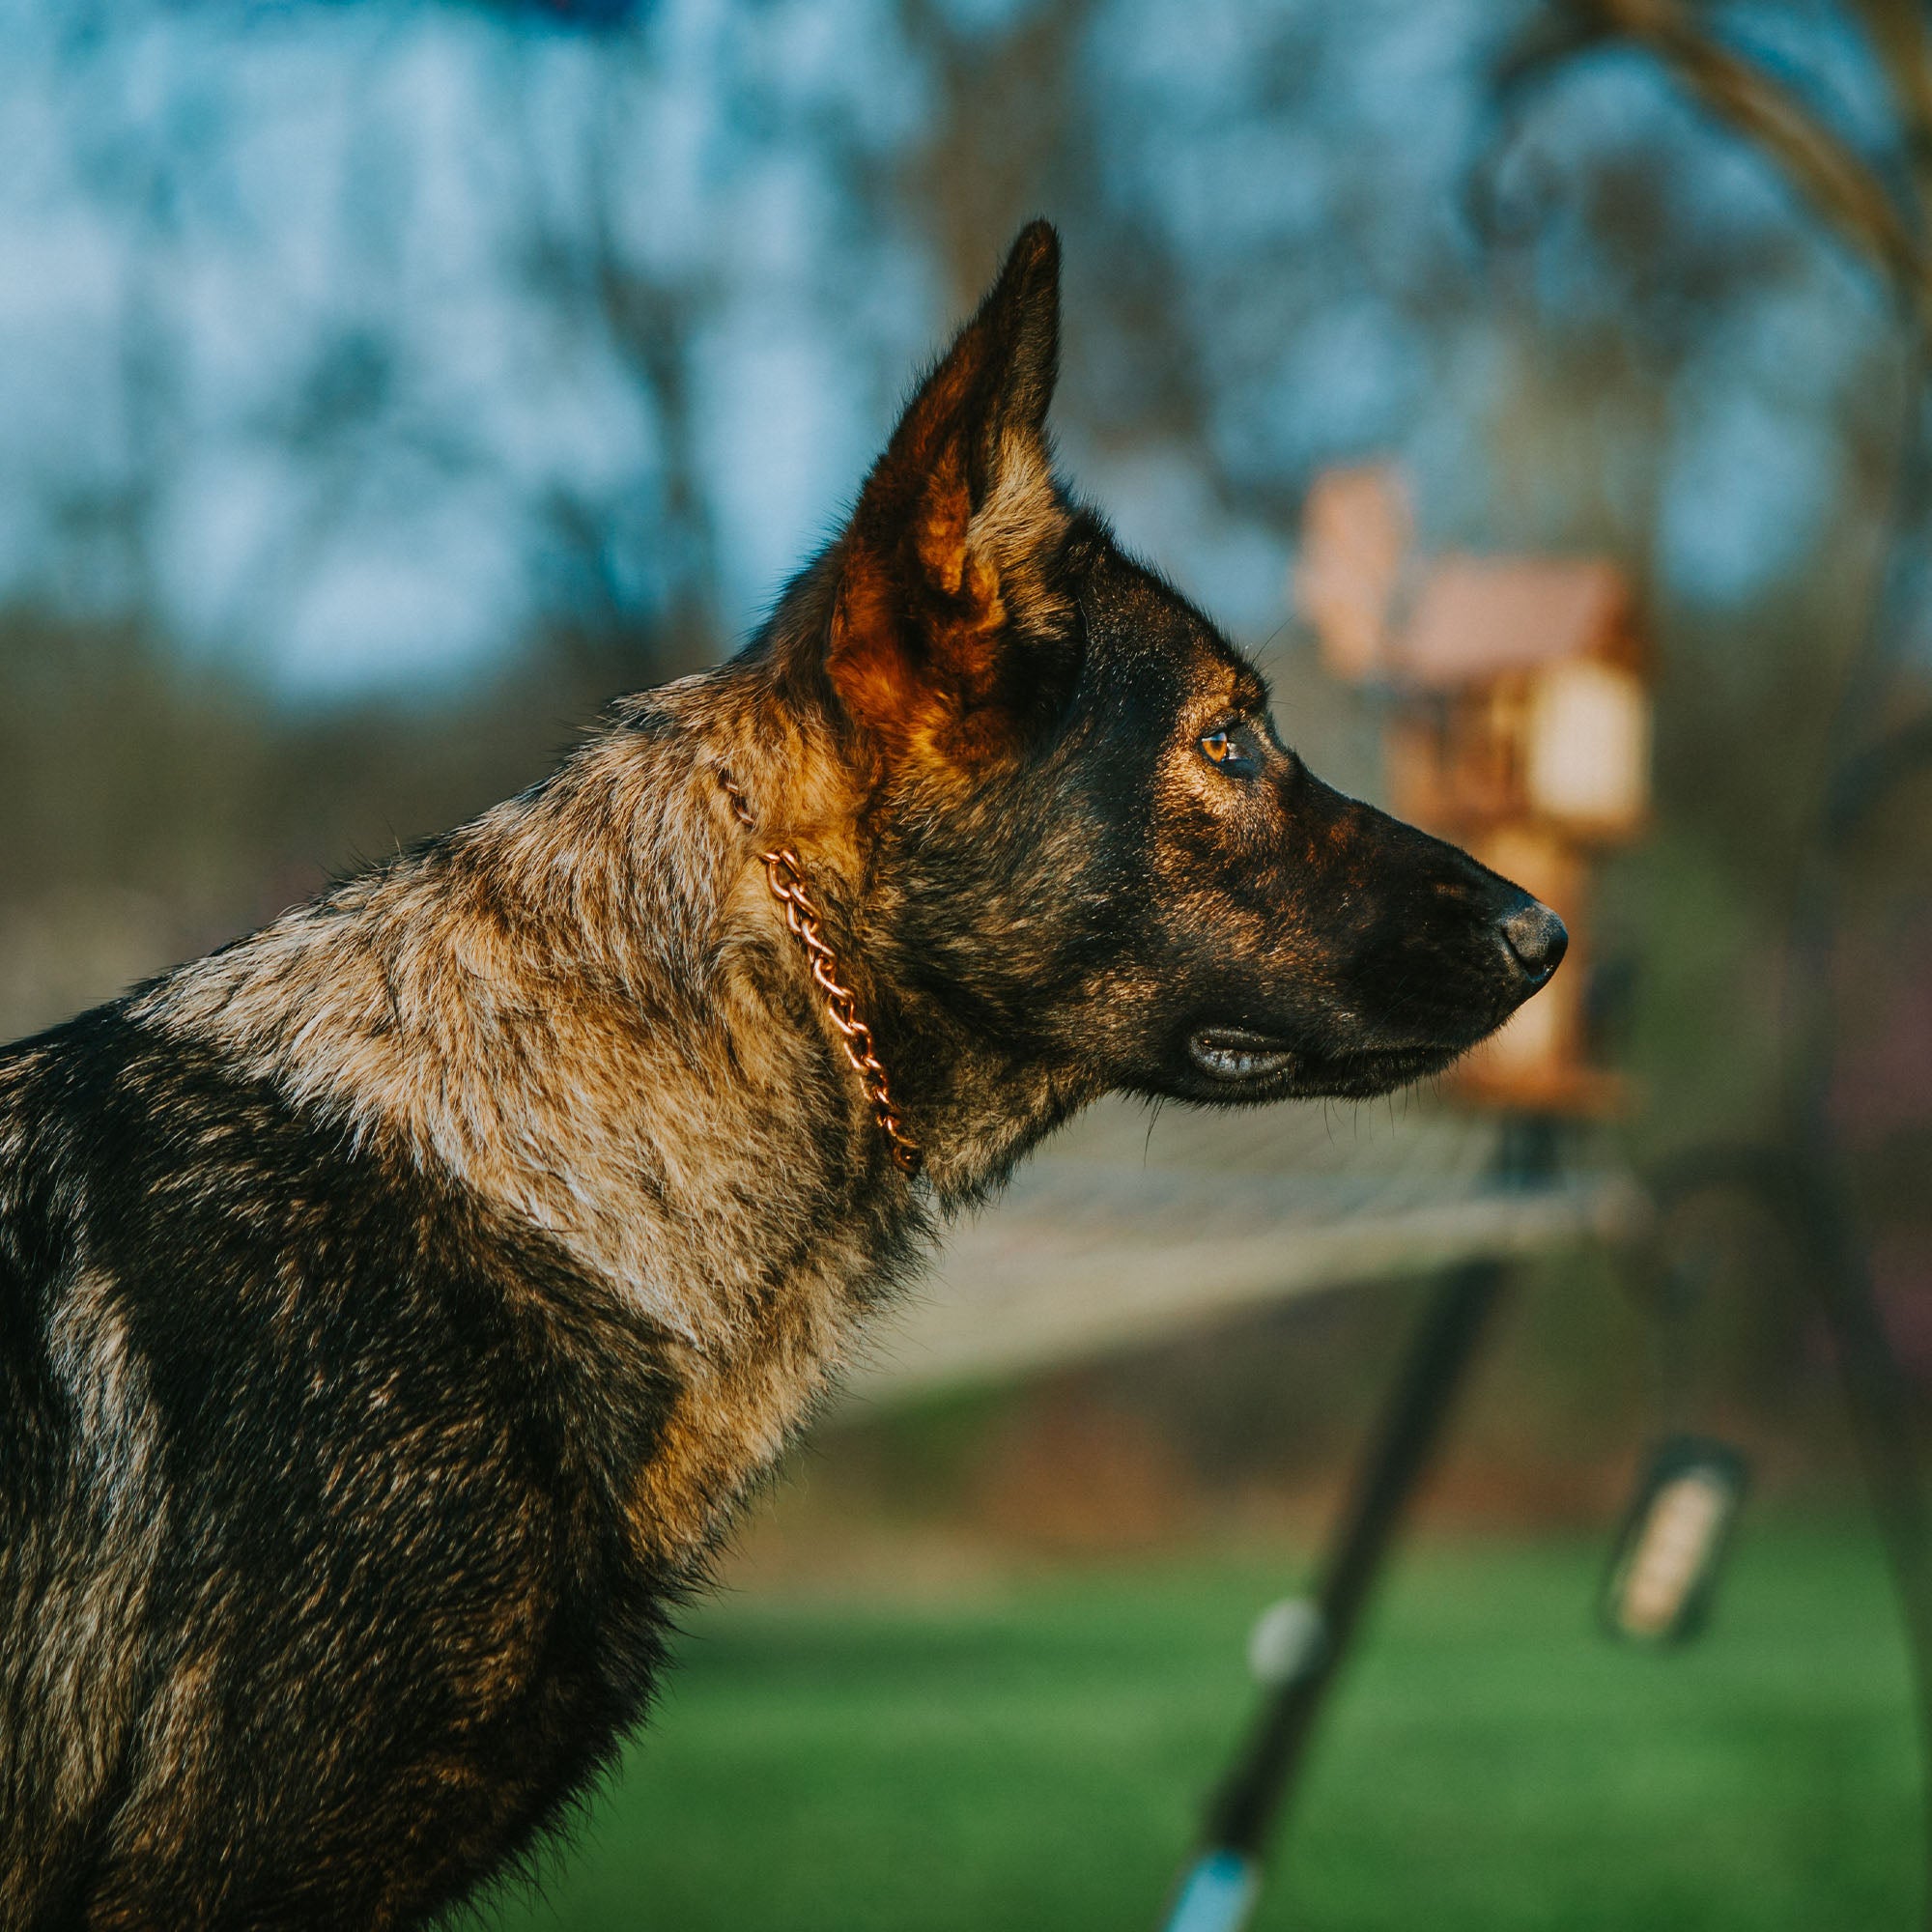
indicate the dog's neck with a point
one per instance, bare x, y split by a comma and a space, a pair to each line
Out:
585, 1006
979, 1107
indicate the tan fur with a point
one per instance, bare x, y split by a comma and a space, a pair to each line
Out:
584, 1005
501, 1009
1020, 525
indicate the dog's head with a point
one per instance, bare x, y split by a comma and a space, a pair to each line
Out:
1091, 846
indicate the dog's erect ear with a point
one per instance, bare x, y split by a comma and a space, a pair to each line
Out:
947, 621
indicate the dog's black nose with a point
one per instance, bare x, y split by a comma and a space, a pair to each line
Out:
1536, 938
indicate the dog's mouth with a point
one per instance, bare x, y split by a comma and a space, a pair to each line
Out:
1252, 1065
1233, 1054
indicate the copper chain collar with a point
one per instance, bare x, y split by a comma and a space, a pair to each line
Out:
787, 884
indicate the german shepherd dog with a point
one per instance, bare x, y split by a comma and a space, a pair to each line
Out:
396, 1305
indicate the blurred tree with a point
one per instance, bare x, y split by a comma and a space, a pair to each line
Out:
1844, 1170
381, 385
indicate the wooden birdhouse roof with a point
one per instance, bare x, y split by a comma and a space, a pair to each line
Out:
1384, 612
1478, 617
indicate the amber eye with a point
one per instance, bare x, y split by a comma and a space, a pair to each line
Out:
1232, 749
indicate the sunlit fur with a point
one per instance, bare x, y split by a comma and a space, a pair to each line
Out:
395, 1306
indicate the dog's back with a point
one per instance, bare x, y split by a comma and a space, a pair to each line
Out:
304, 1543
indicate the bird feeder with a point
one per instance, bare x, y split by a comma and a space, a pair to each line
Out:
1518, 715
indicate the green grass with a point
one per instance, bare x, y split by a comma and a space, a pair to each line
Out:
1488, 1763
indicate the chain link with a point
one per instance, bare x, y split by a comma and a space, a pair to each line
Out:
786, 880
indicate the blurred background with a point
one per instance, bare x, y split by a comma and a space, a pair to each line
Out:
385, 384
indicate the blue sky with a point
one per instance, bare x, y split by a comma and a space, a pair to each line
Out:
320, 222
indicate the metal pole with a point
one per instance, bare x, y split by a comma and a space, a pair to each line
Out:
1219, 1890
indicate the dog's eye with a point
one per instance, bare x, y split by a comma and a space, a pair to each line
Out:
1230, 750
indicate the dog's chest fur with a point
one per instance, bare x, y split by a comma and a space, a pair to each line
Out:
584, 1011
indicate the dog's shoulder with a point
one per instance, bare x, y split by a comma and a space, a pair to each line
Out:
261, 1259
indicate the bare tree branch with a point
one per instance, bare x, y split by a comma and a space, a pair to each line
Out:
1897, 32
1826, 169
